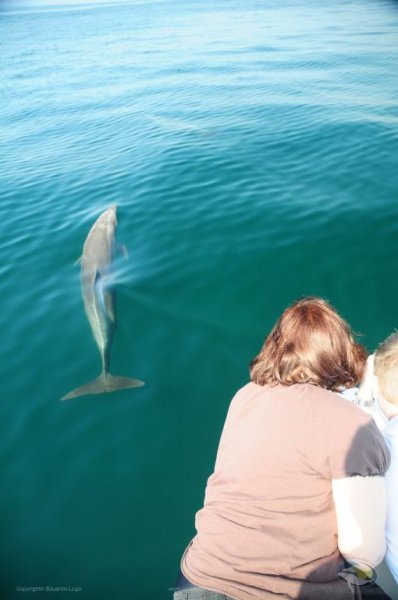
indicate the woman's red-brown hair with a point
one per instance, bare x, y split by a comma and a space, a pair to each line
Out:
310, 343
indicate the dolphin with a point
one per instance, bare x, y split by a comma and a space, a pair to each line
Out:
98, 299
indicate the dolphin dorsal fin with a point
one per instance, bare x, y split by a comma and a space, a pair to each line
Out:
104, 296
108, 304
96, 279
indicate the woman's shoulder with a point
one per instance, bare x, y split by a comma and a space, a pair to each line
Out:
333, 402
307, 398
345, 434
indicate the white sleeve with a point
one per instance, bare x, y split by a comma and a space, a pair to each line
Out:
360, 504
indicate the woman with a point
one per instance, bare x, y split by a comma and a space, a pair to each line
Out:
293, 456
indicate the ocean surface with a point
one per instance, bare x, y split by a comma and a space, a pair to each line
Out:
251, 148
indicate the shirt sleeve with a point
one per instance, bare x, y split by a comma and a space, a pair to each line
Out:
352, 445
367, 455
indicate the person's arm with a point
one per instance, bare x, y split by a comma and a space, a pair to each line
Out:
360, 504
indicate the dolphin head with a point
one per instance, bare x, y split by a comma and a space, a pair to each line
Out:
108, 218
111, 214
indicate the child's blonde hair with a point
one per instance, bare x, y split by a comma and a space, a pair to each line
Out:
386, 368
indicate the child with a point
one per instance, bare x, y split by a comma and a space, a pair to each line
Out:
378, 394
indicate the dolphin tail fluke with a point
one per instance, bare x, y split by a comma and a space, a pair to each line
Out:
104, 383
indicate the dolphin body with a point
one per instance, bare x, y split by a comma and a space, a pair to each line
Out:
96, 264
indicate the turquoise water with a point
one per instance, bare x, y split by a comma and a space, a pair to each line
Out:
252, 149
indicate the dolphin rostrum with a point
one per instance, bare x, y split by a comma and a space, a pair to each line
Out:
96, 264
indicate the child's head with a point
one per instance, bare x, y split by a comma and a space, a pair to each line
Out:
386, 368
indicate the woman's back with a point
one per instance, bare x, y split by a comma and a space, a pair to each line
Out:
268, 523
